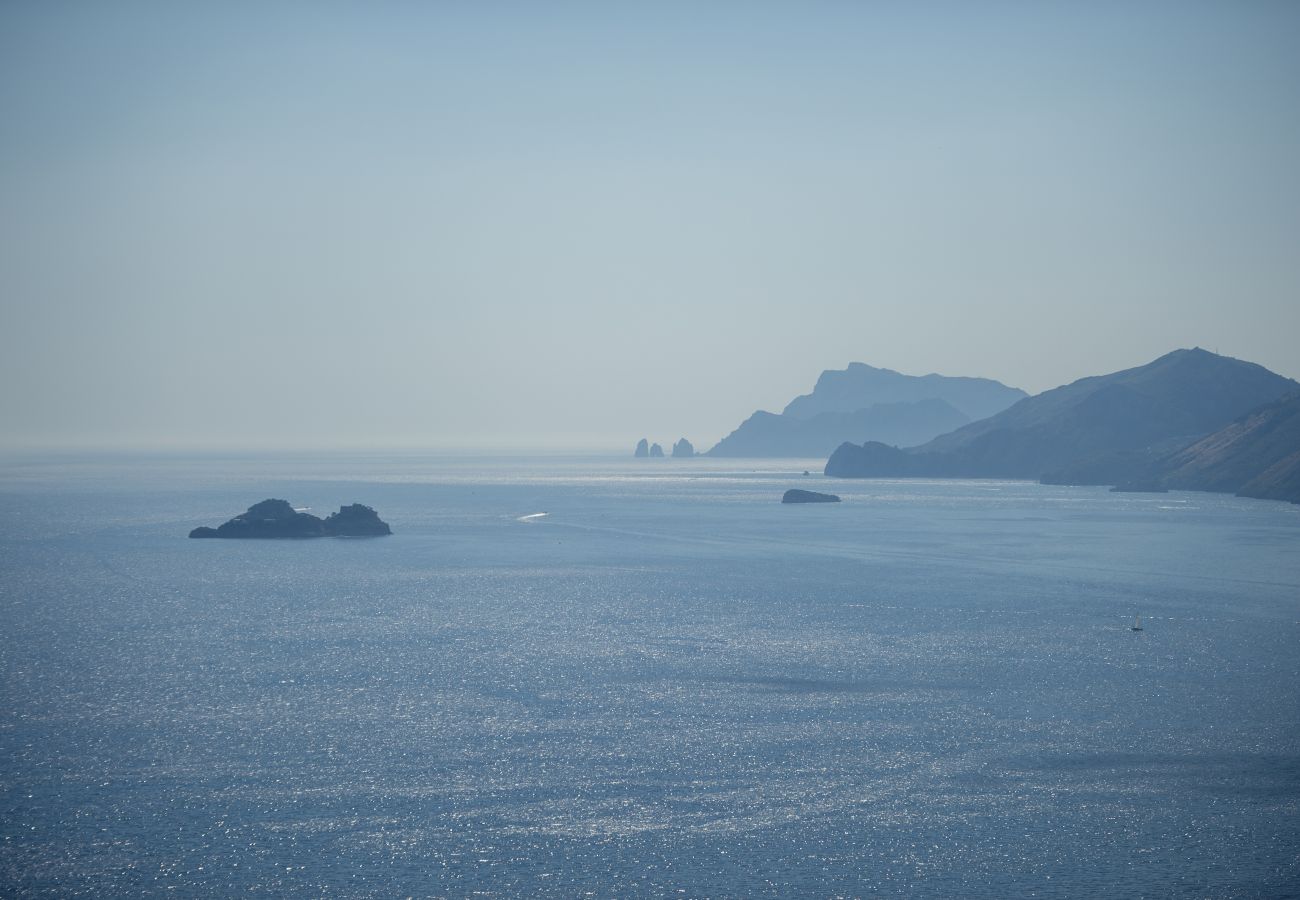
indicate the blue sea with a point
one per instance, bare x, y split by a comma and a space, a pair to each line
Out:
581, 676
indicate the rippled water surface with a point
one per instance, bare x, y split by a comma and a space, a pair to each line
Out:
668, 685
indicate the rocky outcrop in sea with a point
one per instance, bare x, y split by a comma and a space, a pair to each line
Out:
278, 519
794, 495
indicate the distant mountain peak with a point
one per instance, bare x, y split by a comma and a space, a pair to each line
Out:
1194, 354
862, 402
858, 386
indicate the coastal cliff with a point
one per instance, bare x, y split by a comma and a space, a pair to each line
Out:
1100, 430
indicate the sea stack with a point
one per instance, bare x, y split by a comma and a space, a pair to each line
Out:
656, 450
642, 449
683, 449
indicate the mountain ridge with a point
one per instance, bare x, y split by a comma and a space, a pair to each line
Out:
861, 402
770, 434
842, 390
1119, 423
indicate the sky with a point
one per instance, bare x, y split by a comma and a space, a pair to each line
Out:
572, 225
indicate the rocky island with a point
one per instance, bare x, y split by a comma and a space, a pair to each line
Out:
356, 520
794, 495
277, 519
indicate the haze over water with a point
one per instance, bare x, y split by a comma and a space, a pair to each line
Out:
574, 224
670, 683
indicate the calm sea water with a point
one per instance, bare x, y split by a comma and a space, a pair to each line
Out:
669, 685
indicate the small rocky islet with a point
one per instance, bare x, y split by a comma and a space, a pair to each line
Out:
795, 495
278, 519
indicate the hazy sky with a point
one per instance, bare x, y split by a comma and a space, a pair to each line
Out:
252, 224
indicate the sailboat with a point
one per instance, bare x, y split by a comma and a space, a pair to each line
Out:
1137, 623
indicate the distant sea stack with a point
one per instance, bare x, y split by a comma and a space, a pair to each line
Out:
272, 519
683, 449
794, 495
